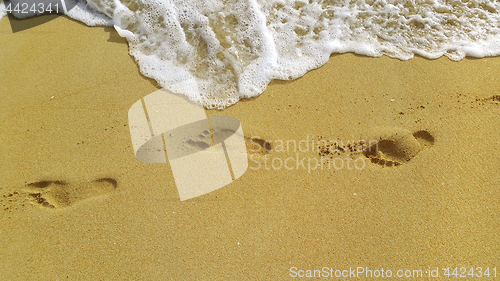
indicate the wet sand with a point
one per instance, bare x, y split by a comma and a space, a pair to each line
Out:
76, 204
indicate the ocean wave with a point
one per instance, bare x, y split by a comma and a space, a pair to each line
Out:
217, 52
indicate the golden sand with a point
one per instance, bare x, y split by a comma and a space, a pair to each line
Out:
75, 204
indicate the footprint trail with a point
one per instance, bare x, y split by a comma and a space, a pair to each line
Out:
387, 147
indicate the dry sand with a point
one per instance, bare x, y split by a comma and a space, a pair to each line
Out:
75, 204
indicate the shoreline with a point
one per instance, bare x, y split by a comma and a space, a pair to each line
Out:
64, 116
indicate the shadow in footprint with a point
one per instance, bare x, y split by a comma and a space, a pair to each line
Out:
44, 184
60, 194
395, 147
424, 137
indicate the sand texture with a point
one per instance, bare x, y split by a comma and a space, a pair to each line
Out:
75, 203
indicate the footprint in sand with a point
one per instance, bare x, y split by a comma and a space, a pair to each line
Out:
397, 146
61, 194
257, 148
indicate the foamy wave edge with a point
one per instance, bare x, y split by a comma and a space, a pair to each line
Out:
227, 69
3, 10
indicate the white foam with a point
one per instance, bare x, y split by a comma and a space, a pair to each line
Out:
216, 52
82, 12
232, 49
3, 10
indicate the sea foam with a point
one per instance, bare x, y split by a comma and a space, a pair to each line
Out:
3, 11
217, 52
